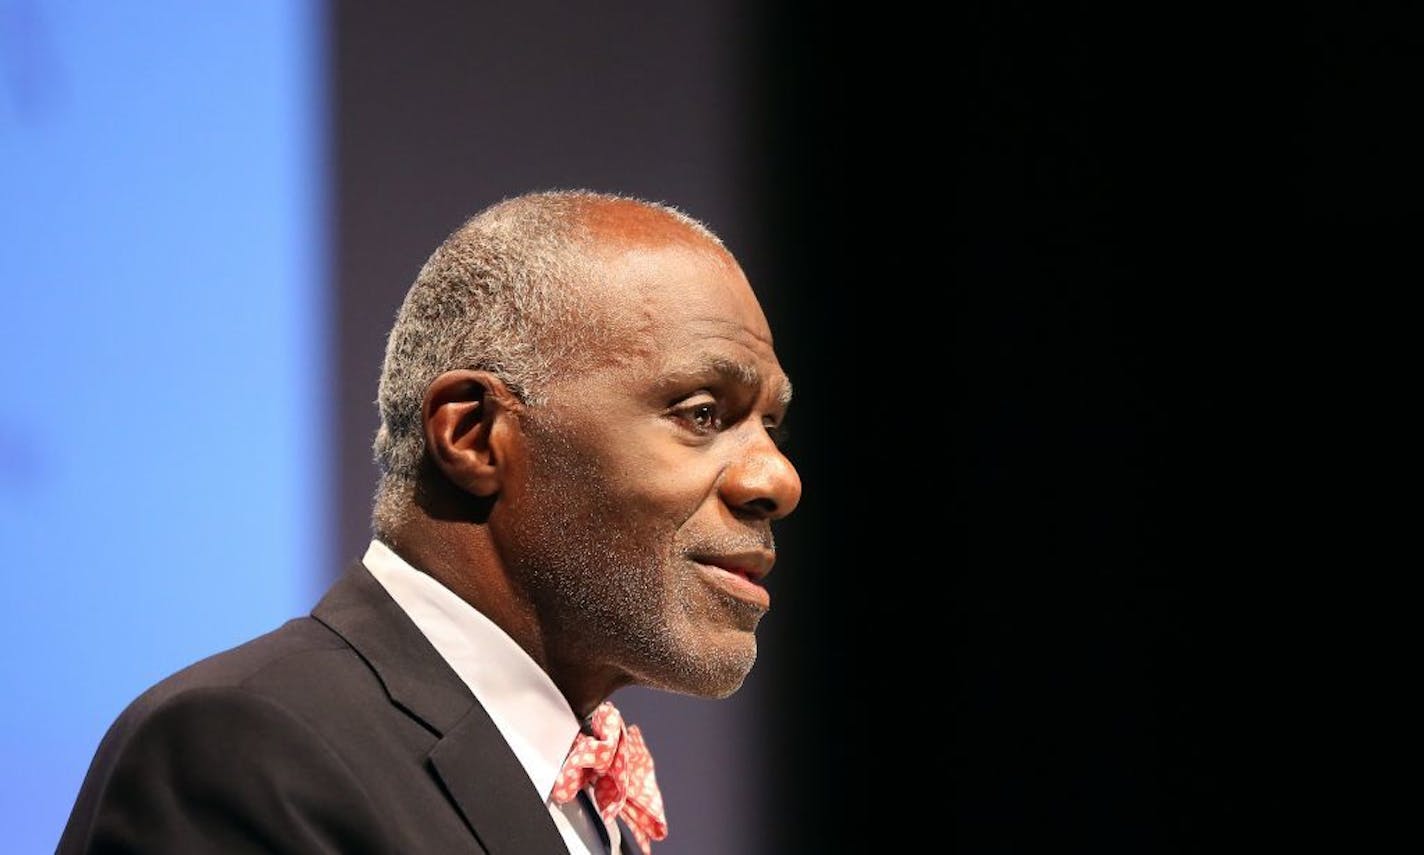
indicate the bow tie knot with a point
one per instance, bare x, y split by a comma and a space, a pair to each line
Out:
614, 760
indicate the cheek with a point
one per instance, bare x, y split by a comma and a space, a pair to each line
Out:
648, 514
643, 482
670, 488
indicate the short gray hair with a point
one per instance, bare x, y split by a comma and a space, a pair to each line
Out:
501, 295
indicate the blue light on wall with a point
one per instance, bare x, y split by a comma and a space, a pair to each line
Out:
162, 418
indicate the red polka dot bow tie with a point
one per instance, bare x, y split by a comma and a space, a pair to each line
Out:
616, 762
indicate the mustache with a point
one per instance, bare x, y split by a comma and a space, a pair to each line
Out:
726, 544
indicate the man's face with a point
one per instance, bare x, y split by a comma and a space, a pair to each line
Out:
641, 521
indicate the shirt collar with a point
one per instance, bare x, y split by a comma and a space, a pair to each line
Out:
529, 710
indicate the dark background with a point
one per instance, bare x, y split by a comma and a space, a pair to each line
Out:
1049, 283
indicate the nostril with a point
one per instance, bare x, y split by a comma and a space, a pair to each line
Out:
761, 506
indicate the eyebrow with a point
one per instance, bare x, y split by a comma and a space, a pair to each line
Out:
733, 371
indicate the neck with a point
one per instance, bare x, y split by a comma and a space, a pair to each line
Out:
461, 555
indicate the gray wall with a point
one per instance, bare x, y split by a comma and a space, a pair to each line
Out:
441, 113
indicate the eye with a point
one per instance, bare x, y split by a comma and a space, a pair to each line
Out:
701, 415
777, 431
704, 417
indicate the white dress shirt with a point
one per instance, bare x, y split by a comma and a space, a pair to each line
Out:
529, 710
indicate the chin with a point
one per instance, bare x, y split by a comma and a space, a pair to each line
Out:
727, 690
714, 671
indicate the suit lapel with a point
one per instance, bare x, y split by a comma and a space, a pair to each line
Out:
471, 760
492, 790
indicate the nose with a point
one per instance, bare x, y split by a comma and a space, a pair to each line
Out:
761, 483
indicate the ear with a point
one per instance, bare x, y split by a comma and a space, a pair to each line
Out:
470, 425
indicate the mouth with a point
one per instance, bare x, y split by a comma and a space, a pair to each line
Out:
739, 574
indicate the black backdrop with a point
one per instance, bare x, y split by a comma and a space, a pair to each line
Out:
1075, 293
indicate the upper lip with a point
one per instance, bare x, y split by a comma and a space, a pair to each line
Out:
754, 564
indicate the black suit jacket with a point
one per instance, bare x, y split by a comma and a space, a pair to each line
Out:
344, 731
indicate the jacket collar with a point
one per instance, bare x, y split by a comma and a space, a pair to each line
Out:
471, 760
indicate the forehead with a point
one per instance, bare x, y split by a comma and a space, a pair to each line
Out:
675, 303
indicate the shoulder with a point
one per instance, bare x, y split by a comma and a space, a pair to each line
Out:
219, 768
213, 727
297, 678
228, 745
296, 659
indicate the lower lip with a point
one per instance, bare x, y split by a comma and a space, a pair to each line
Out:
738, 586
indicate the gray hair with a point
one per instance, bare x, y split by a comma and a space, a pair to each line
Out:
501, 294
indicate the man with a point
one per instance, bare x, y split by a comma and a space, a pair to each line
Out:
579, 405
